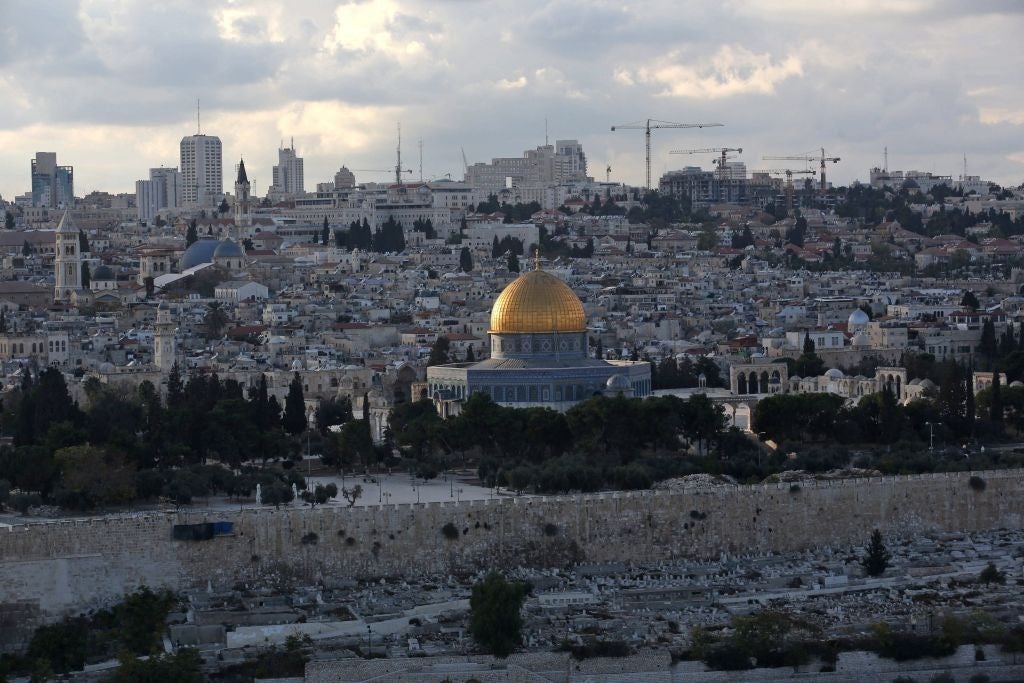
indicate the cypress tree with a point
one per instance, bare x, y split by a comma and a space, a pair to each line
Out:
294, 420
876, 561
465, 260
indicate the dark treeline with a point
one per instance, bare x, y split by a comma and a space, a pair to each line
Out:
389, 237
602, 442
123, 447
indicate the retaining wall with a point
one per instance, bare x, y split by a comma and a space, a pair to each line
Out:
50, 568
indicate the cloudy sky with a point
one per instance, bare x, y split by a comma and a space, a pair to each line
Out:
111, 85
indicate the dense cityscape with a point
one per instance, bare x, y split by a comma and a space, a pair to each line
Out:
713, 416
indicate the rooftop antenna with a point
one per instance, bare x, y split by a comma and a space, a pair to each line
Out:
199, 129
293, 143
964, 177
885, 163
421, 160
545, 131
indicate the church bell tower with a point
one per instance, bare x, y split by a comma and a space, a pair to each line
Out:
67, 263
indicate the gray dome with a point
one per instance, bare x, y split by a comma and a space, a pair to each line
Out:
104, 273
618, 383
858, 317
228, 249
834, 374
200, 252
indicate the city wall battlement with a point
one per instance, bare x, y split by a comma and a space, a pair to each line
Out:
51, 568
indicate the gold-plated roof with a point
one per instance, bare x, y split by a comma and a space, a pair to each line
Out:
537, 302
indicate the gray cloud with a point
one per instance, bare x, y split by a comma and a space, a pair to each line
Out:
932, 80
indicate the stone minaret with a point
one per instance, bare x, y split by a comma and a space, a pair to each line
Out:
242, 217
67, 264
164, 348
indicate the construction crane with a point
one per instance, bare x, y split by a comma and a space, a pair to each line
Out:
789, 173
651, 124
801, 157
724, 151
381, 170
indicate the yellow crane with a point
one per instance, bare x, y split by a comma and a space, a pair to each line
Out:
648, 125
789, 173
822, 160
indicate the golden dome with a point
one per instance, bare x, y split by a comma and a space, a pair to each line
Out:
537, 302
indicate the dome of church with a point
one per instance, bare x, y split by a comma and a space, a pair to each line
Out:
537, 301
104, 273
834, 374
201, 251
857, 318
228, 248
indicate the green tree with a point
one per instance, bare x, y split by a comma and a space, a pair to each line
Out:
990, 574
9, 220
223, 208
513, 262
439, 352
180, 667
465, 260
325, 233
86, 275
970, 301
707, 240
215, 320
83, 243
320, 495
809, 347
495, 618
355, 444
989, 345
294, 420
876, 559
191, 234
91, 476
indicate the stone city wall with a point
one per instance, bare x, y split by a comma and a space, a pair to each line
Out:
51, 568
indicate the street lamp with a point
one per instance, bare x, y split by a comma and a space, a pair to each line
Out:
369, 641
931, 436
459, 496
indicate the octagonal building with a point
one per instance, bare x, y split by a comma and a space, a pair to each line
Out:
539, 355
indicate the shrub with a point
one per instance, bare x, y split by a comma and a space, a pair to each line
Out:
450, 531
794, 488
698, 515
350, 541
550, 529
976, 483
979, 678
310, 539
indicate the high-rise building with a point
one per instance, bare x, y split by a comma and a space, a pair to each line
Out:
547, 165
344, 179
162, 191
287, 175
202, 172
67, 262
53, 186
